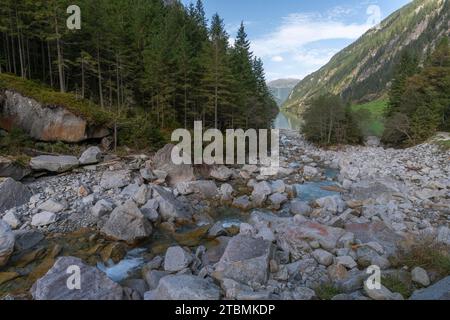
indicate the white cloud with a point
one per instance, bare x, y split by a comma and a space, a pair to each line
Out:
298, 30
277, 59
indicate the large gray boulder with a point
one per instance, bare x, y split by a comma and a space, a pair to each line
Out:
185, 287
438, 291
13, 194
260, 192
206, 189
171, 208
45, 123
295, 239
92, 155
176, 259
56, 164
7, 240
127, 223
245, 260
94, 284
115, 179
162, 160
12, 169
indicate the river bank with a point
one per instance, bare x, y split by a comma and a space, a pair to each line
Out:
144, 229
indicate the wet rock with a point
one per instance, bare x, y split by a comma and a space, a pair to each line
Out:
43, 219
12, 169
438, 291
185, 287
420, 276
310, 172
12, 194
26, 239
260, 193
91, 156
7, 240
95, 285
245, 260
152, 277
278, 186
171, 208
277, 199
221, 173
176, 259
56, 164
115, 179
175, 173
242, 202
226, 192
127, 223
300, 207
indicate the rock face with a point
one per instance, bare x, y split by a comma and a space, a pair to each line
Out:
11, 169
439, 291
185, 287
175, 173
12, 194
7, 240
45, 123
127, 223
245, 260
54, 163
94, 284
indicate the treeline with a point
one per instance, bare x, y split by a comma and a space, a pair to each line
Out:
130, 56
419, 98
328, 121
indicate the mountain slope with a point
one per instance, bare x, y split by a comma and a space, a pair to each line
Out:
281, 89
362, 72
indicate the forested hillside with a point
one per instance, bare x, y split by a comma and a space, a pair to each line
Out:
362, 72
133, 56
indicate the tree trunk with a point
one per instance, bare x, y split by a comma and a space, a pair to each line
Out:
100, 87
60, 57
50, 69
19, 39
82, 77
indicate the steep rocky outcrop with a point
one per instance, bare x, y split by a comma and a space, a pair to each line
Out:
45, 122
362, 71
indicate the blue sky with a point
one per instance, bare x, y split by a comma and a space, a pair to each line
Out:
297, 37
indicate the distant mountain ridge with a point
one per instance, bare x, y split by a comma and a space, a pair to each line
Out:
362, 72
282, 88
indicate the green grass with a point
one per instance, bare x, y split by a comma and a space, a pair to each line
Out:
47, 96
394, 284
371, 116
327, 291
445, 144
